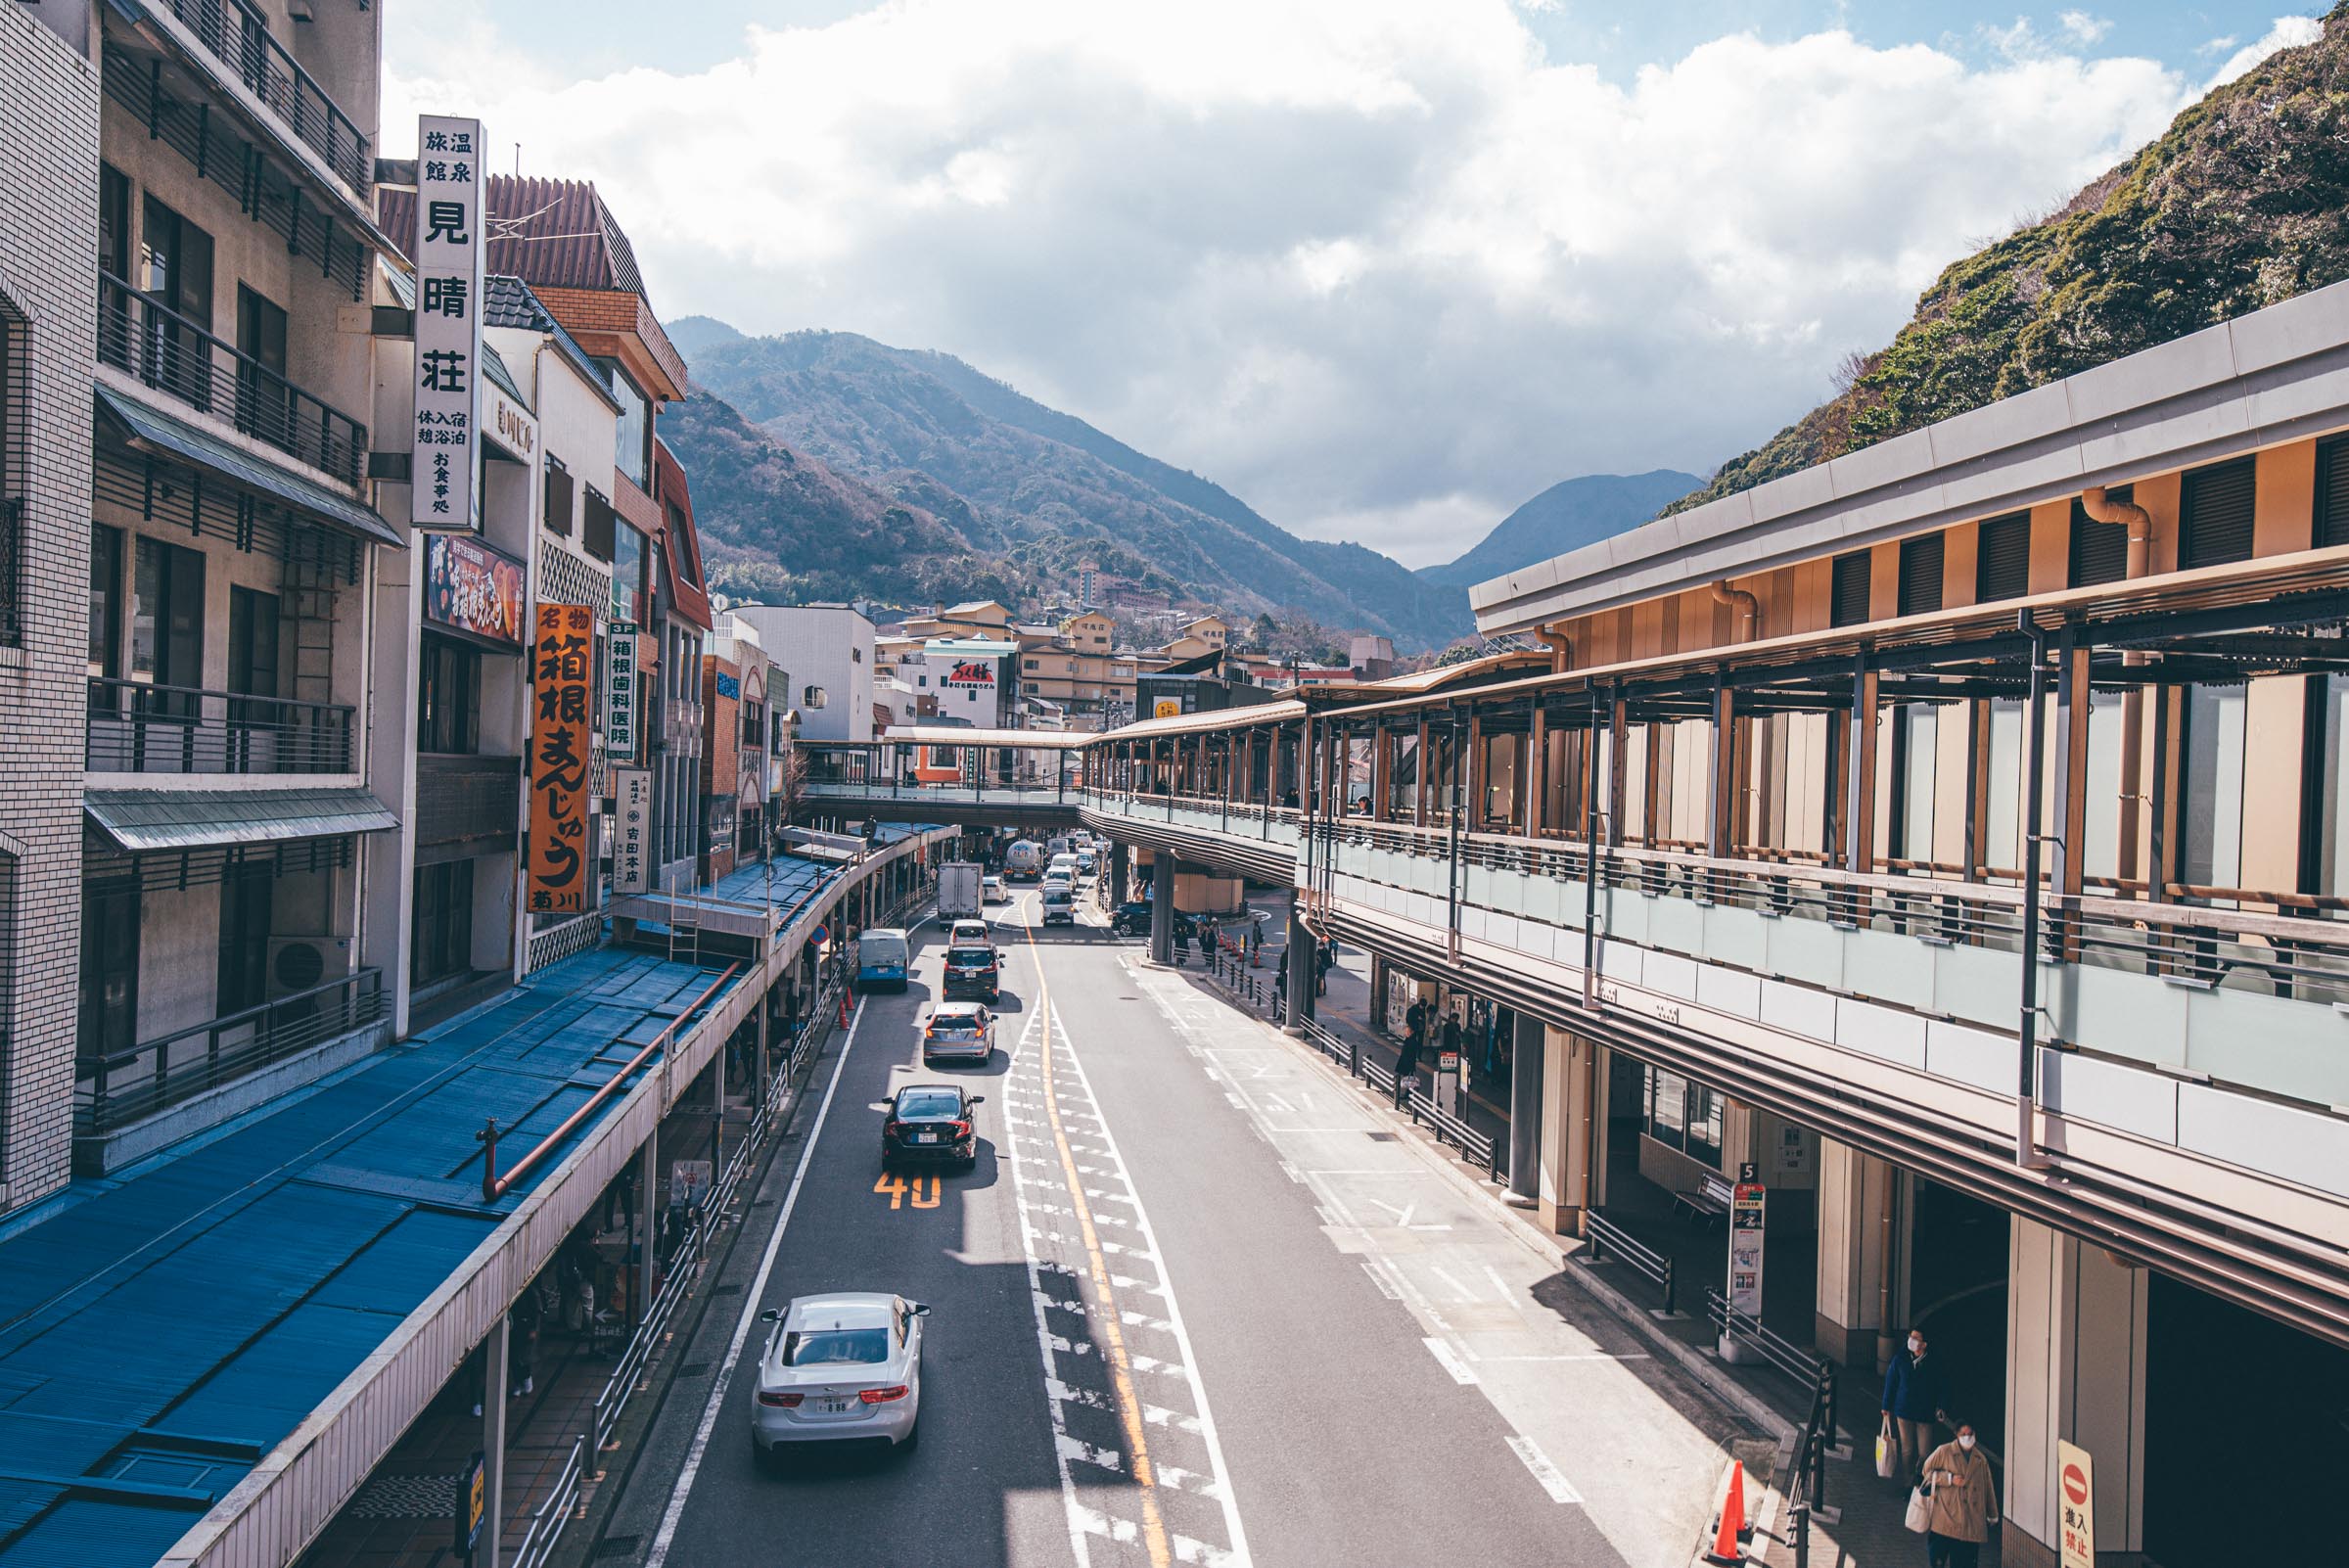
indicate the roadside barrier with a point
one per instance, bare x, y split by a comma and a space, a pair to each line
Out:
1611, 1241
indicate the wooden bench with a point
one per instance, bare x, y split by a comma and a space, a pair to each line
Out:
1710, 1201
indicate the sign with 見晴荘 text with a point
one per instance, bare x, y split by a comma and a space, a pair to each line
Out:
561, 668
620, 692
632, 830
2075, 1506
468, 587
445, 445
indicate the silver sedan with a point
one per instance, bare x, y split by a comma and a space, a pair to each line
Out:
839, 1368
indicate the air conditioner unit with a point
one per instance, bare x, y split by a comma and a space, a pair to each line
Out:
302, 964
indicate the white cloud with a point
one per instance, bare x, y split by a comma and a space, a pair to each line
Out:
2287, 32
1379, 266
2083, 29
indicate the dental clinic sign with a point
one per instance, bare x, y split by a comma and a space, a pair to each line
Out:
445, 445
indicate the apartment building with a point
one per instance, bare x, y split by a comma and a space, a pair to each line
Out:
1081, 670
829, 650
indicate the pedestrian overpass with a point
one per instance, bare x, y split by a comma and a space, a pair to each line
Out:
939, 772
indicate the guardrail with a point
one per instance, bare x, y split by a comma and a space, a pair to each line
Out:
1475, 1147
1611, 1241
1779, 1352
1807, 1486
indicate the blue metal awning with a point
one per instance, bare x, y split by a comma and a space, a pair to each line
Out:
152, 427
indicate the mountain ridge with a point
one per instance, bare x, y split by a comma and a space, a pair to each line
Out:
1567, 516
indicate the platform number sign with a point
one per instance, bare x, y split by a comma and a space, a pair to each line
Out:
446, 440
1747, 1202
2076, 1506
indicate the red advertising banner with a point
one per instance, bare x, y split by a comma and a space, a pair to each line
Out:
471, 587
562, 666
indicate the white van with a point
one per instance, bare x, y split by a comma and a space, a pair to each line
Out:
881, 957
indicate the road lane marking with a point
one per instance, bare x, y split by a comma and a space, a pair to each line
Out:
1461, 1372
751, 1298
1544, 1472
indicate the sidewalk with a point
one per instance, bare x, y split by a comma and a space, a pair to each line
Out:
1870, 1532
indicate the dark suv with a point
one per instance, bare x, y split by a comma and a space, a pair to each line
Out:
974, 972
1133, 919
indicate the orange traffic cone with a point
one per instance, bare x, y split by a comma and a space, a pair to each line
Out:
1733, 1521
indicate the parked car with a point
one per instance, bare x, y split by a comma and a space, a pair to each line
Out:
844, 1367
931, 1122
973, 969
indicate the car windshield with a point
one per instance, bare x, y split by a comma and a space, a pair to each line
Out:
934, 1102
969, 955
1056, 896
836, 1347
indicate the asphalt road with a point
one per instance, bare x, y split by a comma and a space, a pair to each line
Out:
1144, 1347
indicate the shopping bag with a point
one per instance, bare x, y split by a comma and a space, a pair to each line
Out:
1888, 1456
1920, 1511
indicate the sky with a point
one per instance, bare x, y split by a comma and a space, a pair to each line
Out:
1382, 268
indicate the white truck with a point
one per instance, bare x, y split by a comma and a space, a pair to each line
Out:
959, 894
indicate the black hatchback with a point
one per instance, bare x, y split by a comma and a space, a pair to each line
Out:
931, 1122
974, 972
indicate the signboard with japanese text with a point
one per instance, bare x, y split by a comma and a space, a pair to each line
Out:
632, 830
445, 443
1165, 707
561, 663
473, 1504
2075, 1506
1746, 1203
979, 672
620, 692
468, 587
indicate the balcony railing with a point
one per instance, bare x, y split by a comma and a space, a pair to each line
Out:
237, 36
164, 349
114, 1090
460, 799
136, 727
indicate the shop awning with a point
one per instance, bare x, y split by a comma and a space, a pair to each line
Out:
154, 430
140, 821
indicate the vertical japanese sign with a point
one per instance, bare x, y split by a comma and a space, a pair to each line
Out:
620, 692
632, 830
2075, 1506
448, 247
1746, 1203
561, 665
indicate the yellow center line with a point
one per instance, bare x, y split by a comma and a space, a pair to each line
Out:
1129, 1408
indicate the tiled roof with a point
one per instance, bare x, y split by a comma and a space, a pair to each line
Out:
553, 233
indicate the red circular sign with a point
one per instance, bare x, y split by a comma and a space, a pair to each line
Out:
2075, 1485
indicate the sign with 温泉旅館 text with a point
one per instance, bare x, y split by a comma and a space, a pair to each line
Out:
448, 244
561, 666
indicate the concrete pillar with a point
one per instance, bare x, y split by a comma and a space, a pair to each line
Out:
2075, 1371
1300, 1000
1162, 907
767, 1008
1857, 1244
717, 1108
493, 1441
1572, 1111
1528, 1050
648, 1194
1117, 874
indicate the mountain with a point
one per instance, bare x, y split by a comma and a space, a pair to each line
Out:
1567, 516
1017, 484
2241, 203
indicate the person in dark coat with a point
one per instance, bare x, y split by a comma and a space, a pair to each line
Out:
1912, 1401
1406, 1065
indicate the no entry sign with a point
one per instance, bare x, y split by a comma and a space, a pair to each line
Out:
2076, 1506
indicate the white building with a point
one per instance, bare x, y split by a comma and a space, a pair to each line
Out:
828, 648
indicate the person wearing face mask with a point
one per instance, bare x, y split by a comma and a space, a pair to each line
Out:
1911, 1402
1963, 1503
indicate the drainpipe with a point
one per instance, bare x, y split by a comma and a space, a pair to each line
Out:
1561, 648
1748, 608
2026, 1093
2100, 507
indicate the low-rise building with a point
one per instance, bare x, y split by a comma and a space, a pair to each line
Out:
828, 648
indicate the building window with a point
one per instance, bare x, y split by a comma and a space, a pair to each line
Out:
106, 604
166, 622
2216, 506
247, 912
2002, 558
109, 967
448, 697
598, 531
856, 656
1683, 1116
1921, 574
2214, 786
632, 434
175, 272
1848, 600
560, 491
440, 931
625, 549
2099, 551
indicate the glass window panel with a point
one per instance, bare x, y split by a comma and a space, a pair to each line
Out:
2214, 785
2333, 826
2004, 849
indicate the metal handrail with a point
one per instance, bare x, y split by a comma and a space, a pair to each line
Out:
1610, 1240
1768, 1343
142, 337
1476, 1147
137, 726
232, 1046
238, 37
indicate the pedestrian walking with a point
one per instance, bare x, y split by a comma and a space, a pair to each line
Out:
1324, 958
1281, 974
1911, 1403
1961, 1501
1406, 1065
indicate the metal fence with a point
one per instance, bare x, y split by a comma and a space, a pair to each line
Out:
1610, 1241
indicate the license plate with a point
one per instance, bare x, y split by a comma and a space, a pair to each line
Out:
833, 1407
925, 1138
